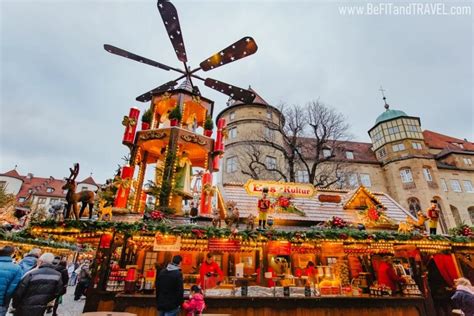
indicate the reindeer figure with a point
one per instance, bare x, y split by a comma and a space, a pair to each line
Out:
72, 198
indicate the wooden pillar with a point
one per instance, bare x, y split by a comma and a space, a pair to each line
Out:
139, 187
170, 159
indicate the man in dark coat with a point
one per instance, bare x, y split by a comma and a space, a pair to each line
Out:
169, 288
38, 288
10, 276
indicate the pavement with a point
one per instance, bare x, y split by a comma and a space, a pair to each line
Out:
69, 307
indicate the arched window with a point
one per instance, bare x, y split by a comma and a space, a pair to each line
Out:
442, 220
470, 210
456, 215
414, 205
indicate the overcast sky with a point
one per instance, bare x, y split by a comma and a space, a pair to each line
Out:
63, 97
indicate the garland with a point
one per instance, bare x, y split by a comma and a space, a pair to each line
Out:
38, 242
202, 232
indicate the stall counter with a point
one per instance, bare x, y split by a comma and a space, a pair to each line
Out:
145, 305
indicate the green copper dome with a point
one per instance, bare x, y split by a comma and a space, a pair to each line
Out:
389, 115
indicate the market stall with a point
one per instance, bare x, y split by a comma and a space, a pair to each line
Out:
269, 270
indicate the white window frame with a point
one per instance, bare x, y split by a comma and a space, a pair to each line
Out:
350, 155
444, 185
352, 180
382, 152
467, 184
455, 185
21, 200
398, 147
365, 180
269, 133
406, 175
231, 164
302, 176
393, 130
417, 146
467, 161
327, 153
270, 162
49, 190
41, 200
233, 132
427, 174
412, 128
232, 116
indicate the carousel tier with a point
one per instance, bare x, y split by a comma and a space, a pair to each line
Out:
154, 142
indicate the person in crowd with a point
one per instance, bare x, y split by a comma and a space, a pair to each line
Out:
195, 305
30, 260
310, 271
37, 288
10, 276
85, 278
210, 273
463, 298
71, 271
61, 268
170, 288
386, 274
193, 214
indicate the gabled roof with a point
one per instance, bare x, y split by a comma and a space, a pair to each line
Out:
440, 141
39, 187
89, 180
316, 211
12, 173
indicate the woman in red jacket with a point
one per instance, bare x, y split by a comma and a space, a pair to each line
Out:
210, 273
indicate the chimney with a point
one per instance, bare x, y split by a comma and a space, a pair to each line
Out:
29, 176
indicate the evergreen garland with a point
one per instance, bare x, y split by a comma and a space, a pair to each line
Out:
203, 232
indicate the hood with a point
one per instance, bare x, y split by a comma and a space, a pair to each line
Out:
465, 288
172, 267
6, 259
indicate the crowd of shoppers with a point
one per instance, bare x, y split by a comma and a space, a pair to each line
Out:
35, 284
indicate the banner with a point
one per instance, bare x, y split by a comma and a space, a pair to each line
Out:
216, 244
275, 189
166, 243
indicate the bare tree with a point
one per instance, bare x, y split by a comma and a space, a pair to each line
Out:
308, 138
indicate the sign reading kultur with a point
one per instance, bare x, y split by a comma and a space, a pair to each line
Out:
275, 189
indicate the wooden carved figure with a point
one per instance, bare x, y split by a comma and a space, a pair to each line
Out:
216, 218
250, 222
72, 198
105, 212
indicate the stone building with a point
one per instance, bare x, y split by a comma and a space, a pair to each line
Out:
411, 165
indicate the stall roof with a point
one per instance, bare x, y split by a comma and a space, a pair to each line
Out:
316, 211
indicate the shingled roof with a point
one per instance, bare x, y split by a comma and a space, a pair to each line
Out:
440, 141
315, 210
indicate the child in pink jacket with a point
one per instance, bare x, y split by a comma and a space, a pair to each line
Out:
195, 305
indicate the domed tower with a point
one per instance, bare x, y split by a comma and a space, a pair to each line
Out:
248, 129
410, 170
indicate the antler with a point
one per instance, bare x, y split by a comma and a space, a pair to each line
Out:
74, 172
